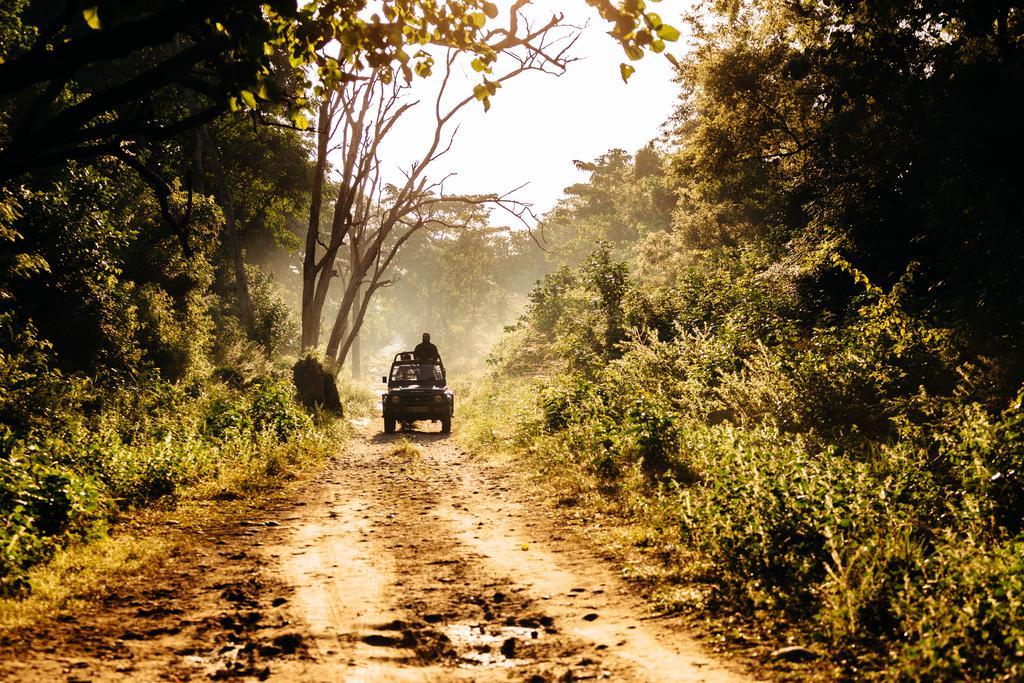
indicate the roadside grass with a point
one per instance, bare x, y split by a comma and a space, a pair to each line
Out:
491, 413
632, 522
223, 478
75, 575
247, 472
733, 546
357, 398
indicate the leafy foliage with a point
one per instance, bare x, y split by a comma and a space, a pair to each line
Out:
806, 381
67, 476
823, 474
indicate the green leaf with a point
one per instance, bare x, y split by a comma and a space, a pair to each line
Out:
92, 17
301, 122
669, 33
478, 65
478, 19
626, 70
480, 92
248, 98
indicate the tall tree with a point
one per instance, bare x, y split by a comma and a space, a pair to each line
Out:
890, 128
375, 219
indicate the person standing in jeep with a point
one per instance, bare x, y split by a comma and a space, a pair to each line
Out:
427, 351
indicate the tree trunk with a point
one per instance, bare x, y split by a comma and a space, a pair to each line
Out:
340, 331
356, 354
355, 322
358, 315
312, 305
346, 312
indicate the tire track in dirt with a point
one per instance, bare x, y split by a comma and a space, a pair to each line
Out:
424, 567
410, 565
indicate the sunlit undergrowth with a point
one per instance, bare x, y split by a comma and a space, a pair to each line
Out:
75, 574
357, 398
856, 483
77, 455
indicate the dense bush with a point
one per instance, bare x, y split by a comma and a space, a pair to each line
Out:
804, 368
129, 374
42, 506
834, 475
66, 471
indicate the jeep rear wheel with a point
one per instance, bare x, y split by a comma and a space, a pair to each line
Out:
446, 425
389, 424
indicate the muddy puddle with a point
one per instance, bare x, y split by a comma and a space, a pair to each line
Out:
489, 646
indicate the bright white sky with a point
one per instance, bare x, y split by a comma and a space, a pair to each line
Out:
539, 124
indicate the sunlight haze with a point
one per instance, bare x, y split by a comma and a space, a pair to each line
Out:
540, 123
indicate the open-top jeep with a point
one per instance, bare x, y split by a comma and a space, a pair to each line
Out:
417, 390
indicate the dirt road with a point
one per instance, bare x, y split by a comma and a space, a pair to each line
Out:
407, 561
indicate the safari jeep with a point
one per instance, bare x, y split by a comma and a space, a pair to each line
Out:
417, 390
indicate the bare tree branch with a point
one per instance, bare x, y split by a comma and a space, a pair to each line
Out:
375, 218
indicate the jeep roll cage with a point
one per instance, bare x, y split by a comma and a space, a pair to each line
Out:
404, 363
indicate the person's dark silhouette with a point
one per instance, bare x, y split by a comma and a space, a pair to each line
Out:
426, 351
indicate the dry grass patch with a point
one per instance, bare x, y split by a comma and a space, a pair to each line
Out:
77, 574
406, 449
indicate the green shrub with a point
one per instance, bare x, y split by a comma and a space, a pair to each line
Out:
274, 324
138, 445
43, 505
32, 395
225, 414
154, 471
650, 435
175, 341
964, 620
986, 461
273, 408
842, 469
557, 401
